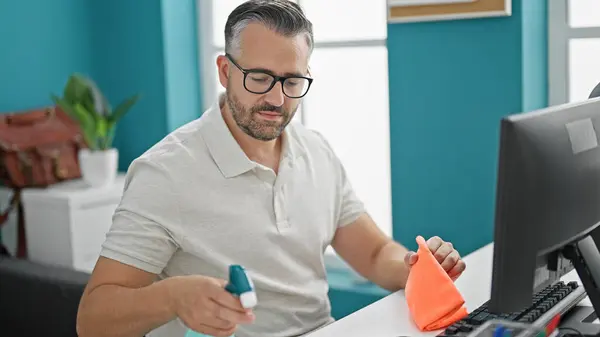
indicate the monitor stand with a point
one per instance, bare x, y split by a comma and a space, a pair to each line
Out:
585, 257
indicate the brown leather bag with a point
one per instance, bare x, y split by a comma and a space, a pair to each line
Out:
37, 148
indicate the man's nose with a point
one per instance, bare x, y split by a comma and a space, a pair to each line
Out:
275, 96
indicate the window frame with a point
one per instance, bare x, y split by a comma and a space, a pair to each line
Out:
560, 33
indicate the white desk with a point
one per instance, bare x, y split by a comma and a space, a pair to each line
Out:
389, 317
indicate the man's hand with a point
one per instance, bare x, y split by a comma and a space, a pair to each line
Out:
204, 305
444, 253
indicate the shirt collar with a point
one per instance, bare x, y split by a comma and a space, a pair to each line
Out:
227, 153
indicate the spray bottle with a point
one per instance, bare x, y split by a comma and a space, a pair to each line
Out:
239, 285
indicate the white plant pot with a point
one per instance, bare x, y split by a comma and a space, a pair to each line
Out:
98, 168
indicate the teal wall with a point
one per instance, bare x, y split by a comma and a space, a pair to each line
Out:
41, 43
535, 54
128, 58
450, 83
150, 49
181, 56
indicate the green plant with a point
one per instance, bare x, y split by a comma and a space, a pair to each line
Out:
84, 102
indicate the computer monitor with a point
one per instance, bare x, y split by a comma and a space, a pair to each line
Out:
547, 203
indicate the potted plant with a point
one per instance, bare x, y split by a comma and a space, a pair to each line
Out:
84, 102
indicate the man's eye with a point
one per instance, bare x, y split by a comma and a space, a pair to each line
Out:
260, 78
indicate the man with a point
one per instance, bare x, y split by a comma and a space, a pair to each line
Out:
240, 185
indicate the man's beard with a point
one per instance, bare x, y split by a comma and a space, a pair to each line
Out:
248, 121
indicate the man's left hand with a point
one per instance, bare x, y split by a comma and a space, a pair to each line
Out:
445, 254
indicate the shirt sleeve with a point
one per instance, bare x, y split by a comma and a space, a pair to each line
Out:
144, 228
350, 205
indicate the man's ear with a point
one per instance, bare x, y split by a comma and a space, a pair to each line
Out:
223, 70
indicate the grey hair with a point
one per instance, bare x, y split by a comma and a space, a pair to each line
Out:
282, 16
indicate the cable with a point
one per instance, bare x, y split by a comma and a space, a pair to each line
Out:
572, 330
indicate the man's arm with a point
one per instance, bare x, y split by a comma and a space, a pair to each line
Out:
372, 254
120, 300
382, 260
123, 301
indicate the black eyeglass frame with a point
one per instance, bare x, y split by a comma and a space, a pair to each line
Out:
276, 79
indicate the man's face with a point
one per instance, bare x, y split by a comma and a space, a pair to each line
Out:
263, 116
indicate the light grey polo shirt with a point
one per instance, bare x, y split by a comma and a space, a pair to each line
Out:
194, 204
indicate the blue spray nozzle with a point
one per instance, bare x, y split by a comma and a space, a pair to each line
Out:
241, 285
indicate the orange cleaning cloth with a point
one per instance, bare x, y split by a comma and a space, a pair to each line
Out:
433, 299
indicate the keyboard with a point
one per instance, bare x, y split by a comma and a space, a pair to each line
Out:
557, 298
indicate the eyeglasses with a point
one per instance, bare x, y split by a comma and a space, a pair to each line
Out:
258, 81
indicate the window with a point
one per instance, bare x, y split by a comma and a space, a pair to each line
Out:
574, 48
349, 99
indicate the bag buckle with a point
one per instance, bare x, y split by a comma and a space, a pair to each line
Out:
59, 171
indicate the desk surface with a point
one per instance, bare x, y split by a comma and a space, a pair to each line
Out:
389, 317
